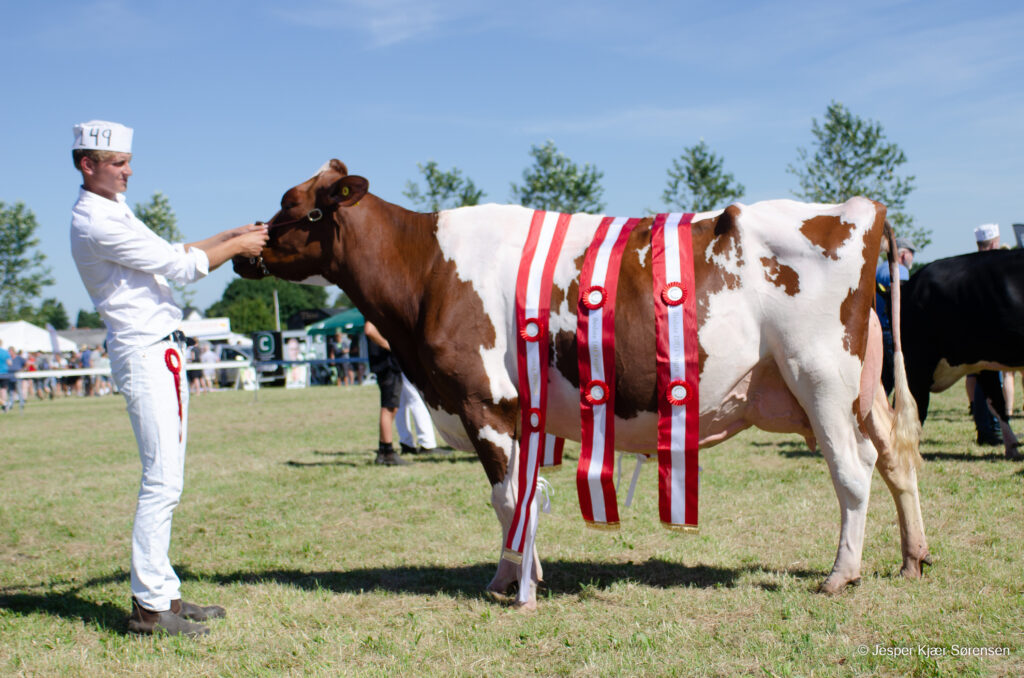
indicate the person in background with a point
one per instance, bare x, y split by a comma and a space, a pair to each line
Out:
389, 380
413, 413
85, 359
344, 352
209, 374
17, 363
125, 268
103, 381
5, 367
44, 385
988, 425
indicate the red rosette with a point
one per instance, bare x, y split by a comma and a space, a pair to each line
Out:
597, 392
173, 361
593, 297
674, 294
530, 330
679, 392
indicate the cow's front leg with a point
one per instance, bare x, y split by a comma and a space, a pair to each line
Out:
491, 430
509, 573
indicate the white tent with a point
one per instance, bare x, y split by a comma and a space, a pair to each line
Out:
25, 336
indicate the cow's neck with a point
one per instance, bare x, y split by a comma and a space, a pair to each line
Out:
385, 256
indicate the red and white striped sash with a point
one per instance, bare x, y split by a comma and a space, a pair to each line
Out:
595, 342
533, 301
553, 446
675, 316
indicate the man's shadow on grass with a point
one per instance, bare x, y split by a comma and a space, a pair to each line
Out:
356, 458
71, 604
562, 577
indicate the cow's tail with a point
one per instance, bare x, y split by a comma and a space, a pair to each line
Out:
906, 433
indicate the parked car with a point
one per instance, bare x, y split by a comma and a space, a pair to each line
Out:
227, 377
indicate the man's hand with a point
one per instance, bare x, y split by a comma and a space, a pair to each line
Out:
242, 230
249, 239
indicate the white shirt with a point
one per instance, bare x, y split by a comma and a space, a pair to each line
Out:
125, 268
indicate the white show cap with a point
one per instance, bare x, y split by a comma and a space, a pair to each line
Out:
986, 232
100, 135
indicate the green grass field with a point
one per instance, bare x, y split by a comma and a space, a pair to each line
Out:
331, 566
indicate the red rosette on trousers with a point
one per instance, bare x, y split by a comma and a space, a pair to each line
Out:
673, 294
593, 297
597, 392
679, 392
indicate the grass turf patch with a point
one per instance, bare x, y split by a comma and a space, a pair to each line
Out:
329, 565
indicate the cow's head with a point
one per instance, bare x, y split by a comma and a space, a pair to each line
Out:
303, 232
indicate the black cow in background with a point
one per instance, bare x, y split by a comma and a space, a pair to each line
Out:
960, 316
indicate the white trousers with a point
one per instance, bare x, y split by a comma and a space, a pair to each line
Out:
148, 385
411, 406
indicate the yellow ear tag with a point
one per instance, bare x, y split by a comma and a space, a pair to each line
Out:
344, 191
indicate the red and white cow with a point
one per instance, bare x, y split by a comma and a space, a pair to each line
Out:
788, 340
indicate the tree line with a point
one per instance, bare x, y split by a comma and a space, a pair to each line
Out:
849, 156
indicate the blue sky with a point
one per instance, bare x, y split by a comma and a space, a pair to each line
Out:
234, 102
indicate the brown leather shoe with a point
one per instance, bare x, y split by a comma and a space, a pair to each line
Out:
165, 621
187, 610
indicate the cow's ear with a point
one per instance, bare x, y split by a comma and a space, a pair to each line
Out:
347, 191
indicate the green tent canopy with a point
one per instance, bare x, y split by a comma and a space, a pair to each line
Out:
350, 322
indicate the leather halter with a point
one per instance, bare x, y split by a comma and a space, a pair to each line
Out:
313, 215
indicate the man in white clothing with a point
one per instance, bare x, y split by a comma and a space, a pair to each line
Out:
411, 406
125, 268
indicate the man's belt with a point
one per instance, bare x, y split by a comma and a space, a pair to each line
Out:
177, 336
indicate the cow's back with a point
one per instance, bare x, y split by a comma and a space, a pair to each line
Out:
776, 280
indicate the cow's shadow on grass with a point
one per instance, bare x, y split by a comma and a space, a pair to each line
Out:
791, 449
562, 577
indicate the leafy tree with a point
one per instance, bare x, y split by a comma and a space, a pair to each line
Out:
23, 274
248, 315
697, 182
158, 215
89, 319
852, 157
556, 183
292, 297
442, 190
342, 301
53, 312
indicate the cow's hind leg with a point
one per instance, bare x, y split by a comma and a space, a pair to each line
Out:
850, 459
900, 477
830, 400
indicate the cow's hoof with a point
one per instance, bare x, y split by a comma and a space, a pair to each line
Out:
498, 596
834, 585
914, 568
528, 606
